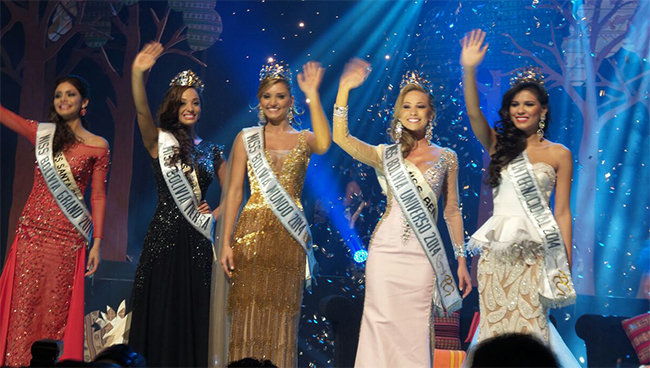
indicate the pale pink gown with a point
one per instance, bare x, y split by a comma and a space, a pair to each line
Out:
395, 327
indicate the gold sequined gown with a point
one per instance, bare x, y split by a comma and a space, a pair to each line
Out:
266, 286
509, 270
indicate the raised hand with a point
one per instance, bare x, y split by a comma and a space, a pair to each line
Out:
354, 74
147, 57
310, 78
473, 49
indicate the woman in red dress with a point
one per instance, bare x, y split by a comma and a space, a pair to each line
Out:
42, 283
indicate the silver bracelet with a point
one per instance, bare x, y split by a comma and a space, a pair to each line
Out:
341, 112
459, 250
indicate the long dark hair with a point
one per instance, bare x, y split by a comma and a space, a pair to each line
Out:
511, 141
407, 140
168, 120
64, 136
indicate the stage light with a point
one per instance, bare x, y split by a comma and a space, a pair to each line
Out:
360, 256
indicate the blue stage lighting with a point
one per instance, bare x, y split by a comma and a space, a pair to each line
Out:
360, 256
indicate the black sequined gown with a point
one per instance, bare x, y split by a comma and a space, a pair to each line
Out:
171, 290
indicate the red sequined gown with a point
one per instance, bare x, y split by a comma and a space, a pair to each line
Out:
42, 283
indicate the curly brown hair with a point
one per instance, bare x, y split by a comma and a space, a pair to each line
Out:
511, 141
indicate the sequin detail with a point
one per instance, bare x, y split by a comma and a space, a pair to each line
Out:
266, 287
171, 291
435, 177
168, 220
47, 247
512, 259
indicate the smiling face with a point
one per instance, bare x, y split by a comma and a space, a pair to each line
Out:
526, 111
275, 101
190, 109
68, 101
415, 112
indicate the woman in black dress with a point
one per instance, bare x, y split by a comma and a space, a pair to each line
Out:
171, 290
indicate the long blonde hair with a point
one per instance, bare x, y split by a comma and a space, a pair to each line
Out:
407, 140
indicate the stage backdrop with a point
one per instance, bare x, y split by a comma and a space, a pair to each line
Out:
594, 54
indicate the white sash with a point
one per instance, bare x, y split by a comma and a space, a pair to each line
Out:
278, 199
556, 286
417, 201
184, 193
59, 179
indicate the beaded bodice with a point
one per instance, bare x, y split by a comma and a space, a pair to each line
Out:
206, 157
289, 166
435, 176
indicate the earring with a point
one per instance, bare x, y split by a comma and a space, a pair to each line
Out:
83, 111
290, 115
541, 126
429, 131
398, 131
261, 118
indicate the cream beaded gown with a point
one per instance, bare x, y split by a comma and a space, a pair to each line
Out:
512, 257
509, 271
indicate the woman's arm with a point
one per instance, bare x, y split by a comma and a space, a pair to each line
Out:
471, 56
26, 128
562, 210
454, 221
357, 213
355, 73
234, 195
309, 81
222, 176
98, 206
143, 62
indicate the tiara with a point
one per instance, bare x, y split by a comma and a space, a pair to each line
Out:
527, 74
415, 77
189, 79
276, 71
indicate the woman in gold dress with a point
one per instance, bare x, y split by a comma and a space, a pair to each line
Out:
266, 265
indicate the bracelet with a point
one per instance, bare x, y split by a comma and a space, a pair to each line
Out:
341, 112
459, 250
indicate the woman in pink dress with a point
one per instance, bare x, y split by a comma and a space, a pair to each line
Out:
42, 283
400, 279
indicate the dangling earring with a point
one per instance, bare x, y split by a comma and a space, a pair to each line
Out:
398, 131
541, 126
261, 118
83, 111
290, 115
429, 132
